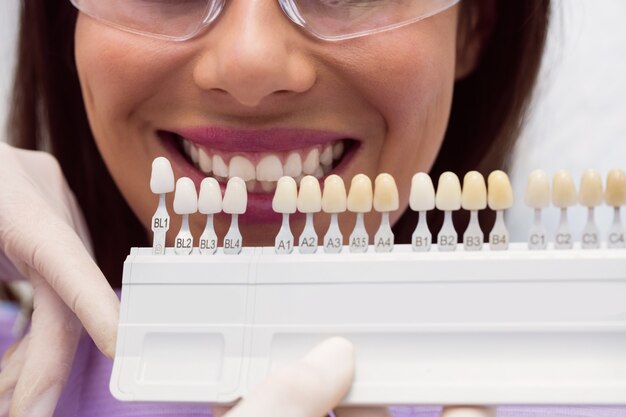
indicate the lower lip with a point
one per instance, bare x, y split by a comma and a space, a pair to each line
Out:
259, 209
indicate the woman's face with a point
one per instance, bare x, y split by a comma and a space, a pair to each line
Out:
255, 90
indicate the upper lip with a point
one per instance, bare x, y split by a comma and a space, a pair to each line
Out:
254, 140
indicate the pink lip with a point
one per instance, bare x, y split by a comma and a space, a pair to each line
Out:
240, 140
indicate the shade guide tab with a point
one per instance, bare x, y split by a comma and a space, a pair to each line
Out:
360, 201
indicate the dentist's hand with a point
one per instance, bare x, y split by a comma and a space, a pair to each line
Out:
310, 387
43, 238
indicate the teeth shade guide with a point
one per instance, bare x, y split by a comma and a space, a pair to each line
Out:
383, 197
591, 196
537, 197
285, 202
185, 203
500, 198
360, 200
334, 201
209, 203
422, 200
309, 203
386, 200
563, 196
615, 196
161, 183
448, 199
235, 202
474, 198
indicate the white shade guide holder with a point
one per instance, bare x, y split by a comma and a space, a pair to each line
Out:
161, 183
231, 320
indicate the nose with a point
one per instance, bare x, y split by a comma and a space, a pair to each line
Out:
252, 53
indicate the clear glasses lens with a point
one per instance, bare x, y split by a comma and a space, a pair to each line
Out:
176, 19
343, 19
326, 19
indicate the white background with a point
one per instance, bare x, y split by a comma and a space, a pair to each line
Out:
579, 117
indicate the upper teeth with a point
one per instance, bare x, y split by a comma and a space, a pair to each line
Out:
267, 168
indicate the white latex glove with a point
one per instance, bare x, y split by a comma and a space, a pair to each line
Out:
468, 411
43, 238
311, 387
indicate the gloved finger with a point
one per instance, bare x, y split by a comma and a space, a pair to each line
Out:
468, 411
11, 368
42, 240
220, 410
309, 388
9, 353
54, 336
362, 412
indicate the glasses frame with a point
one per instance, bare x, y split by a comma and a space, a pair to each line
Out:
289, 8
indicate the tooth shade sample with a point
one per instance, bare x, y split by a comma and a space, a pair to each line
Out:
500, 194
361, 195
538, 190
386, 197
591, 193
448, 197
422, 196
162, 177
269, 169
286, 196
210, 199
235, 196
334, 199
474, 195
185, 198
310, 195
563, 190
615, 188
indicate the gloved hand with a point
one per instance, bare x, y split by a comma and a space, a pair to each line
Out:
309, 388
43, 238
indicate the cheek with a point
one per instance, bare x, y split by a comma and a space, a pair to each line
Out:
410, 81
123, 78
119, 73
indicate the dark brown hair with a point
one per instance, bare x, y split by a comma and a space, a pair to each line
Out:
48, 114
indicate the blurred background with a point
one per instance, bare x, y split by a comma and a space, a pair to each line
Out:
578, 119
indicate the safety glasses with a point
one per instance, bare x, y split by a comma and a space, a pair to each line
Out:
330, 20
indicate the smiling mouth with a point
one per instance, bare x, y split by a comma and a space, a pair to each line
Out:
261, 167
